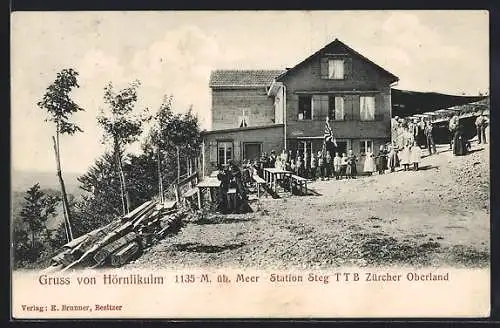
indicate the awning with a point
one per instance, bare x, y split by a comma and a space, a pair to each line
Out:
407, 103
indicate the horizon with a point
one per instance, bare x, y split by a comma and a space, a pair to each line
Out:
173, 53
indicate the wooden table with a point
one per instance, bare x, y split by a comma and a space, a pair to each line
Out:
210, 183
271, 176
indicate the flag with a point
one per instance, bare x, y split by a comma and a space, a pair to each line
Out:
328, 134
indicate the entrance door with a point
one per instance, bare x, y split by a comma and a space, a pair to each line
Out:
341, 147
251, 151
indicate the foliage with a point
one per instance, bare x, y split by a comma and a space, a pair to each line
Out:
29, 243
101, 202
59, 105
121, 125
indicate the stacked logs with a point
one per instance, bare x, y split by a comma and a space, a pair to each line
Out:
121, 240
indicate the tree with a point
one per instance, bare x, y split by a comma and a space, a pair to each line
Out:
102, 200
37, 209
60, 107
173, 136
122, 127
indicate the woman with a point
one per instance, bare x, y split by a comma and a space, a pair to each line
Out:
381, 160
352, 171
369, 165
405, 157
459, 142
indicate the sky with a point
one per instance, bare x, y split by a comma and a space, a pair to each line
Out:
173, 53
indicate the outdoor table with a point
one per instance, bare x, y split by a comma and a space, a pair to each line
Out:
271, 176
210, 183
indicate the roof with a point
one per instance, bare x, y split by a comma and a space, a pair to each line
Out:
339, 43
406, 103
242, 78
247, 128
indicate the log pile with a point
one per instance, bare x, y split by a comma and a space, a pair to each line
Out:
121, 240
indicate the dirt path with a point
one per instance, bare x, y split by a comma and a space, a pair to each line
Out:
433, 217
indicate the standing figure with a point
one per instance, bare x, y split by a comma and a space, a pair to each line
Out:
452, 127
313, 167
369, 165
405, 157
381, 160
481, 124
321, 165
337, 162
328, 165
300, 167
429, 135
393, 157
352, 171
343, 166
415, 155
459, 142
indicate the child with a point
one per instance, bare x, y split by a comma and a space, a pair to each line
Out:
381, 161
405, 157
337, 162
300, 167
352, 171
393, 157
328, 165
313, 167
343, 165
369, 165
321, 165
415, 155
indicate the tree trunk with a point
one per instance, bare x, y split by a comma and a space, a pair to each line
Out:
160, 182
117, 161
178, 164
69, 232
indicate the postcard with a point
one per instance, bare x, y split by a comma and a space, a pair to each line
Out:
250, 164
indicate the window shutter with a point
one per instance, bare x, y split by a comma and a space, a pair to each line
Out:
348, 68
316, 106
324, 67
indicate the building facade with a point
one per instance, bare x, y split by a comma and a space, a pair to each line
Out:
263, 110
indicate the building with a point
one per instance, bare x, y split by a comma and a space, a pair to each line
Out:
255, 111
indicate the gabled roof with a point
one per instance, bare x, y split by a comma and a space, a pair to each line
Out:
242, 78
339, 43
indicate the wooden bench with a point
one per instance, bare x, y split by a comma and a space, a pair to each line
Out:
258, 181
299, 182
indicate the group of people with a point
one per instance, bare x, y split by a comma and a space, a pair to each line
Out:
389, 157
408, 132
321, 165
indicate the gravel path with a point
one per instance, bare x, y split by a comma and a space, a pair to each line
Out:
433, 217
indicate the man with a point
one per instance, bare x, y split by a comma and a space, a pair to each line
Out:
452, 127
429, 130
481, 125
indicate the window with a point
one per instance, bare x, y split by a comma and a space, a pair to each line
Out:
336, 108
367, 108
305, 108
319, 106
243, 120
365, 146
336, 69
225, 152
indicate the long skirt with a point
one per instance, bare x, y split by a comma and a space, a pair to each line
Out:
459, 144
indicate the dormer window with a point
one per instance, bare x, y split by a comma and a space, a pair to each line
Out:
336, 69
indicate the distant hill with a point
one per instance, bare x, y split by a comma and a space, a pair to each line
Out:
23, 180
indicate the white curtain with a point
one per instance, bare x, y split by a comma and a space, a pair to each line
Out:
339, 108
367, 108
336, 69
